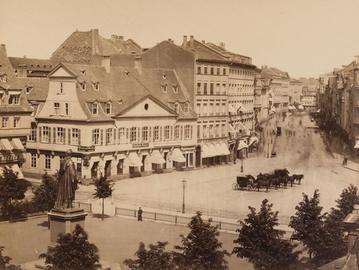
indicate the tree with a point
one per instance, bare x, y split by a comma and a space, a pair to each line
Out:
72, 251
103, 190
260, 242
45, 195
5, 262
12, 190
308, 225
200, 249
348, 198
155, 258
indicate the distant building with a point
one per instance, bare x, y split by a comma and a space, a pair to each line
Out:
295, 91
31, 67
309, 94
15, 113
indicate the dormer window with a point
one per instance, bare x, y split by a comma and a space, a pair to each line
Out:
164, 76
28, 89
61, 88
176, 107
96, 86
185, 107
108, 108
175, 88
14, 99
164, 88
83, 86
94, 108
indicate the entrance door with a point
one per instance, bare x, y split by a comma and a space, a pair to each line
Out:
108, 168
165, 157
143, 163
120, 167
94, 170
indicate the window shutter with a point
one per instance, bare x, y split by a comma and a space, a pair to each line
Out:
40, 134
114, 135
49, 135
181, 133
160, 135
138, 135
79, 137
53, 135
101, 136
171, 132
149, 134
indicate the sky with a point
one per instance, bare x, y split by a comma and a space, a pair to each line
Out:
303, 37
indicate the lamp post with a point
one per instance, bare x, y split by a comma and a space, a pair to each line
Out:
183, 195
241, 162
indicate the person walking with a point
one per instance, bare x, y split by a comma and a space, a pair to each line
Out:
139, 214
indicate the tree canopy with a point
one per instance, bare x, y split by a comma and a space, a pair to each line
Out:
45, 195
261, 243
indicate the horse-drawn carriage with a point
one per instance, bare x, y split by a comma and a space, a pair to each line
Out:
279, 177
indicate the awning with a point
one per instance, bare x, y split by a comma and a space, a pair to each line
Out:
231, 109
157, 158
177, 155
208, 150
300, 107
241, 128
242, 109
17, 144
224, 149
231, 129
241, 145
134, 160
356, 146
6, 145
253, 140
15, 168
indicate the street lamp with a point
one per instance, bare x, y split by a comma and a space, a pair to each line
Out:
183, 195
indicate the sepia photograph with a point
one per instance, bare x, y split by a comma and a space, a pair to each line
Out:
179, 135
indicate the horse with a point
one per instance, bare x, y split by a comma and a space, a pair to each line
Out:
263, 180
298, 177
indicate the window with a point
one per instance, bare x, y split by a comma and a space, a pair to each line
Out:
205, 70
218, 71
4, 122
164, 88
75, 136
133, 134
145, 134
187, 132
96, 86
224, 71
109, 136
83, 86
205, 88
67, 109
122, 135
223, 130
94, 108
45, 138
198, 88
156, 133
96, 136
167, 133
28, 89
198, 70
33, 133
205, 131
60, 135
185, 107
33, 160
56, 108
198, 131
47, 162
175, 88
14, 99
212, 71
211, 88
108, 108
61, 88
176, 107
177, 133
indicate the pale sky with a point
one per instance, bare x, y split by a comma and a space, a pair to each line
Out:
303, 37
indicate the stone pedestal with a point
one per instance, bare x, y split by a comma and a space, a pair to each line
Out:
64, 221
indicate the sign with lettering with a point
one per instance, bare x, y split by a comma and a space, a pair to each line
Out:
139, 145
86, 148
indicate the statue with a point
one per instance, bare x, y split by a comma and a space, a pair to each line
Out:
67, 183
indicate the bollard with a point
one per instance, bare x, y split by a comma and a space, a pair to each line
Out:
155, 215
220, 225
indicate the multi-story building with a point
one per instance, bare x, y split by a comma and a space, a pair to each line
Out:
113, 121
278, 83
309, 94
15, 113
295, 91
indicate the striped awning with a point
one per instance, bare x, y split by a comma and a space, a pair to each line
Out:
208, 150
17, 144
177, 156
5, 145
253, 140
134, 160
241, 145
157, 158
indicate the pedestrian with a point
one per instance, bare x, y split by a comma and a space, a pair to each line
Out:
139, 214
345, 161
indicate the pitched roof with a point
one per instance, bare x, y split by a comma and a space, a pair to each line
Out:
123, 87
38, 88
81, 46
31, 63
203, 51
272, 72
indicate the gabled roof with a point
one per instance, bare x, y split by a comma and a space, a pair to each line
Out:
203, 51
31, 63
272, 73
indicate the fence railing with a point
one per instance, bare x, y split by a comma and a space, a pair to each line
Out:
172, 218
85, 206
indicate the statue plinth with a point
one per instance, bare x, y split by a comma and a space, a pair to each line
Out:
64, 221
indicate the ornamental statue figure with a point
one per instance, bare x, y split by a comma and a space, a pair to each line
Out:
67, 183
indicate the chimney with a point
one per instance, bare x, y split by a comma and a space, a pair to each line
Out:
356, 59
203, 41
222, 45
94, 39
184, 43
106, 63
138, 64
191, 41
170, 40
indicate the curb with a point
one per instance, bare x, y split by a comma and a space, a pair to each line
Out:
351, 169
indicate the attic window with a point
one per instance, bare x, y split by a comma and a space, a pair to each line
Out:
175, 88
119, 101
83, 86
94, 108
28, 89
96, 86
83, 71
176, 107
127, 72
108, 108
185, 107
164, 88
164, 76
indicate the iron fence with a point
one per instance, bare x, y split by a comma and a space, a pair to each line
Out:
87, 207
